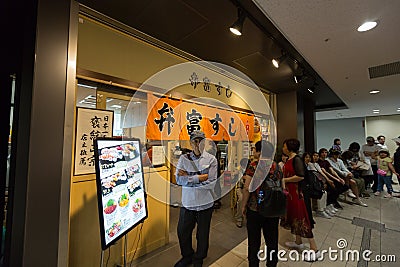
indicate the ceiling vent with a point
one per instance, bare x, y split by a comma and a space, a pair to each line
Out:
384, 70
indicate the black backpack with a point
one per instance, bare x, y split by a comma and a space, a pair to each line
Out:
312, 186
271, 200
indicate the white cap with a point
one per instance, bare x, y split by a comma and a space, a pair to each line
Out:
397, 139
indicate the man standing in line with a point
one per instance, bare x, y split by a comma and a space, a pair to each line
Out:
381, 142
370, 151
196, 172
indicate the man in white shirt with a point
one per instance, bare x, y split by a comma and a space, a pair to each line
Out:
196, 172
370, 151
381, 142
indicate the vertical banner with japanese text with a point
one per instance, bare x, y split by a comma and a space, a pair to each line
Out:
90, 124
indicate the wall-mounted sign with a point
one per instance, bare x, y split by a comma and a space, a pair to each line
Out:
120, 187
90, 124
158, 155
208, 85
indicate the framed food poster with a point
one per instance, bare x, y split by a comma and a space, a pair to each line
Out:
90, 124
120, 187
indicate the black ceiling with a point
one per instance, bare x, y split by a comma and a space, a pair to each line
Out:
200, 27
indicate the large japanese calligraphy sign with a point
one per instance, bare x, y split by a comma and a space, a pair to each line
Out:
90, 124
170, 119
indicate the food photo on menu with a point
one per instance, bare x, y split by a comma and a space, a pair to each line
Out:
132, 170
111, 181
137, 205
110, 206
114, 154
123, 200
114, 229
134, 187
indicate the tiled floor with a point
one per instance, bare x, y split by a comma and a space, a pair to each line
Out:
228, 243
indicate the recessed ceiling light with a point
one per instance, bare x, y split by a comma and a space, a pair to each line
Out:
376, 110
367, 26
372, 92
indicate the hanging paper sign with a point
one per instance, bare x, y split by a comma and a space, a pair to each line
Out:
90, 124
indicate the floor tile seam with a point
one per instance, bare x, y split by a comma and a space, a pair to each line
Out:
354, 234
323, 240
226, 256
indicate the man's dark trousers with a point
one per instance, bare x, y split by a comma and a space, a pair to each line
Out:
186, 224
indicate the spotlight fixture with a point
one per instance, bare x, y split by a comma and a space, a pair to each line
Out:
277, 61
237, 26
372, 92
298, 78
299, 74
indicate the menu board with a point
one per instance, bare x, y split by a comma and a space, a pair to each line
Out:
120, 187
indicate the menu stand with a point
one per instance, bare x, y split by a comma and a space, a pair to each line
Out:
125, 249
125, 252
102, 258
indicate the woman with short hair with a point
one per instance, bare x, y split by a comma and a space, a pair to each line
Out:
296, 218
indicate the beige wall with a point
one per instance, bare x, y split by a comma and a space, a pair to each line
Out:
286, 116
107, 51
104, 50
389, 126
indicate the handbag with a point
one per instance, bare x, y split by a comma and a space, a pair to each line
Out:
312, 185
362, 166
271, 200
381, 172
